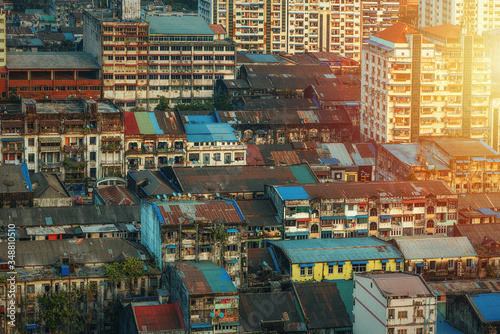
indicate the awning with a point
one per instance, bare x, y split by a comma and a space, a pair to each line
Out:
50, 139
362, 231
332, 263
202, 325
478, 159
232, 230
303, 219
232, 261
340, 263
12, 124
350, 217
12, 139
419, 264
385, 229
385, 216
293, 234
384, 261
363, 216
304, 265
171, 246
399, 260
359, 262
332, 217
415, 201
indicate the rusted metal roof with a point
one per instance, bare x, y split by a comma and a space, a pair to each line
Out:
431, 247
322, 305
258, 256
204, 277
477, 201
150, 318
440, 288
258, 212
285, 158
288, 116
191, 211
484, 237
117, 195
254, 158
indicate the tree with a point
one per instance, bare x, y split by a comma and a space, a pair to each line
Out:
127, 270
221, 102
195, 106
59, 313
163, 105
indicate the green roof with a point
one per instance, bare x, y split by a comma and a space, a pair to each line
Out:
303, 174
48, 19
346, 289
178, 25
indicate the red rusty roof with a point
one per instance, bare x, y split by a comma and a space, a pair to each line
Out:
117, 195
159, 317
254, 158
396, 33
217, 28
190, 211
285, 157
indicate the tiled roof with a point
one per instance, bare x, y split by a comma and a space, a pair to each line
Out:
117, 195
204, 277
396, 33
322, 305
331, 250
430, 247
445, 30
191, 211
150, 318
217, 28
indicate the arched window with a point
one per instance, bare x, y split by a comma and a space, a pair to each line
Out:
430, 224
314, 228
373, 226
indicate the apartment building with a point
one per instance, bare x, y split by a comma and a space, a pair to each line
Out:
274, 26
378, 15
476, 16
334, 259
393, 303
208, 298
196, 231
3, 49
76, 138
466, 165
61, 10
143, 59
53, 75
383, 209
431, 84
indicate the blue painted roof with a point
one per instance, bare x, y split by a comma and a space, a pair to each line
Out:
262, 58
330, 161
200, 119
68, 36
216, 276
292, 193
488, 211
213, 132
430, 247
34, 11
488, 305
334, 250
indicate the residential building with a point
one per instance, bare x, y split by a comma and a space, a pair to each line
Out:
114, 195
477, 313
211, 142
485, 239
77, 137
178, 58
15, 188
378, 15
154, 140
61, 10
339, 64
51, 266
3, 49
432, 83
334, 259
53, 75
196, 231
142, 316
272, 27
150, 184
262, 224
443, 288
207, 296
49, 190
323, 306
88, 221
348, 162
393, 303
475, 16
437, 257
484, 203
466, 165
235, 182
384, 209
256, 319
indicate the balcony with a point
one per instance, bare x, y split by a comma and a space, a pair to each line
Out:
74, 148
150, 166
133, 167
51, 164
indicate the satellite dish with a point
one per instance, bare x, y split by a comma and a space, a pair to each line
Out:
212, 315
265, 263
164, 196
189, 195
217, 194
179, 195
174, 194
158, 196
221, 315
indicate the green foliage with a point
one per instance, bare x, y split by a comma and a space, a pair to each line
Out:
127, 270
220, 233
411, 176
58, 311
195, 106
490, 271
221, 102
163, 105
78, 165
182, 4
27, 4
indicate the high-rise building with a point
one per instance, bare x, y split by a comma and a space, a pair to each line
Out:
144, 59
378, 15
476, 16
3, 54
274, 26
423, 84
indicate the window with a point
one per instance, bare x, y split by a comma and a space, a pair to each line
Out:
384, 266
420, 331
31, 157
402, 331
391, 313
402, 314
350, 207
359, 268
302, 271
432, 265
92, 140
31, 288
93, 156
469, 263
451, 264
420, 313
93, 172
330, 270
398, 266
31, 141
310, 271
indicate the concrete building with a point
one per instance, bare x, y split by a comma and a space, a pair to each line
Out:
292, 27
15, 188
143, 59
466, 165
383, 209
49, 191
474, 313
476, 16
196, 231
71, 137
437, 257
393, 303
61, 10
207, 296
3, 50
334, 259
378, 15
432, 83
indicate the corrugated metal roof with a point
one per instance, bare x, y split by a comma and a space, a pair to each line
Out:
430, 247
150, 318
178, 25
98, 228
488, 305
216, 132
303, 174
484, 237
441, 288
399, 284
192, 211
117, 195
292, 193
258, 256
339, 152
202, 277
258, 212
332, 250
52, 60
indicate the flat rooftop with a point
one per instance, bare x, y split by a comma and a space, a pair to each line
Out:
178, 25
51, 61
